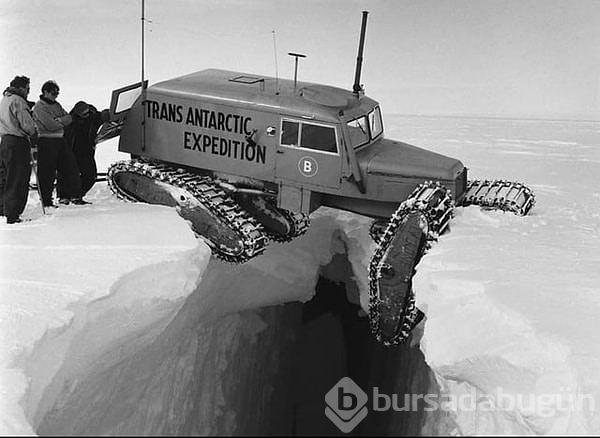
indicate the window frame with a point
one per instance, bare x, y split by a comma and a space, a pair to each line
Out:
373, 111
367, 117
297, 145
368, 133
299, 138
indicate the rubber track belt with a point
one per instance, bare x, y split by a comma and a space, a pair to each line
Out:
414, 225
209, 194
499, 194
300, 222
394, 315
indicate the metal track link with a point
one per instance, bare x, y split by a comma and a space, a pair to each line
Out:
299, 222
209, 194
434, 204
377, 229
499, 194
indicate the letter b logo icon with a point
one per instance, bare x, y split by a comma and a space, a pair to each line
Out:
342, 396
308, 166
346, 404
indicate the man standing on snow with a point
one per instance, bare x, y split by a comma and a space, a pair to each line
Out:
18, 132
81, 137
54, 154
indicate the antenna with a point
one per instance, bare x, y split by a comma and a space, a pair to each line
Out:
296, 55
363, 29
143, 82
276, 70
143, 62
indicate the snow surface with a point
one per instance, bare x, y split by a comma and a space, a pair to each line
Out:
511, 302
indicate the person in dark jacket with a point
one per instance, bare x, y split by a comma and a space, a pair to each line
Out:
19, 133
81, 137
54, 154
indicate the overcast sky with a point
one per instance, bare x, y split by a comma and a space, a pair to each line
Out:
509, 58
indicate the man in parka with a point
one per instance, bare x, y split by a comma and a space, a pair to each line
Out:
81, 137
54, 154
19, 133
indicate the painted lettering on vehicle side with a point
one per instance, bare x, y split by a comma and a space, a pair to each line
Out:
221, 145
224, 147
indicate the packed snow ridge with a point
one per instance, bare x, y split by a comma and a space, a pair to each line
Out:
118, 301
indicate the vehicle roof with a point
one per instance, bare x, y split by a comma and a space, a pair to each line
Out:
323, 102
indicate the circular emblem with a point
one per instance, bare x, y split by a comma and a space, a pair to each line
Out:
308, 166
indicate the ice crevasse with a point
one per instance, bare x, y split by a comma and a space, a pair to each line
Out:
128, 331
131, 331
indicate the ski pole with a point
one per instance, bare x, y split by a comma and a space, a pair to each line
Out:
35, 173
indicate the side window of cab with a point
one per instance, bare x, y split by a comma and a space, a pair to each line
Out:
289, 132
309, 135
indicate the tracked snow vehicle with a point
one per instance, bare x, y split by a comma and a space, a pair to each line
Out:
246, 158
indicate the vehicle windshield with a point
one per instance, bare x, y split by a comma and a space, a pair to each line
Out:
365, 129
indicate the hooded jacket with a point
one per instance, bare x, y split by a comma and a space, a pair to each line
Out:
81, 134
15, 115
51, 118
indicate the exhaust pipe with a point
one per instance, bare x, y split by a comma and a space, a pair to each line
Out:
363, 29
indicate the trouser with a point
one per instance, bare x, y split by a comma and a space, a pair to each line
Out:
15, 171
54, 155
88, 171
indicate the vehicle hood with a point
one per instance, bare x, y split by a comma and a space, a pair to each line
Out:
394, 158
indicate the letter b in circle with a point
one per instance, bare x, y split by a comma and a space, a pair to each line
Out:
308, 166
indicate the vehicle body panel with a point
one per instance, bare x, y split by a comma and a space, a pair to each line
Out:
295, 139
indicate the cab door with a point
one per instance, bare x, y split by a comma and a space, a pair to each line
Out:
121, 102
308, 154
